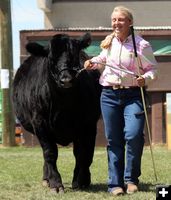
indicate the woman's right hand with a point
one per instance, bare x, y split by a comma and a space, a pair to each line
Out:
88, 64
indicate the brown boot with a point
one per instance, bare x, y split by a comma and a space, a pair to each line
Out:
117, 191
131, 188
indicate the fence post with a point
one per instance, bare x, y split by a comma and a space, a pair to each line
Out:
6, 73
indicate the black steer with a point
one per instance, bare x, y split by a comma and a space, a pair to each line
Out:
59, 104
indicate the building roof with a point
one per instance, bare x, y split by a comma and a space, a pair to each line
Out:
141, 28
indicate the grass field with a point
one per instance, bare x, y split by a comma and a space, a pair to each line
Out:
21, 173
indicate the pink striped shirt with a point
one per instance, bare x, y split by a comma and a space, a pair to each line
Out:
121, 55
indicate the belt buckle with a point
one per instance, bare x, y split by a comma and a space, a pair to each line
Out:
115, 87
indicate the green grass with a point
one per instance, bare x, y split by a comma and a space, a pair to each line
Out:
21, 173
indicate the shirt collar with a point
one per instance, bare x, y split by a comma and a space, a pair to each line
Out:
128, 39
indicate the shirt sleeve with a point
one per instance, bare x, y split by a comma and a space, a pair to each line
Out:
148, 64
101, 58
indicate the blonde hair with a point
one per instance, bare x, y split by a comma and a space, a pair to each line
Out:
108, 40
127, 12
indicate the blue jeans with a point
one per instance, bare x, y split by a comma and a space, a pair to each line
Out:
123, 116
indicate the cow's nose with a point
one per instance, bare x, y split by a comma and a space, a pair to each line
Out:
66, 82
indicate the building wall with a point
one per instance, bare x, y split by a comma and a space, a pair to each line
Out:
97, 13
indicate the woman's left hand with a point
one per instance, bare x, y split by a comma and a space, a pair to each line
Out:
140, 81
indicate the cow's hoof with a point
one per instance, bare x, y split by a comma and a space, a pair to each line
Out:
45, 183
75, 185
61, 190
57, 190
53, 190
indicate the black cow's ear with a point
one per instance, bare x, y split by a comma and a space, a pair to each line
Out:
36, 49
85, 40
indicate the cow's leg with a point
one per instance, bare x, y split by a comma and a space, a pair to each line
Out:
51, 176
83, 151
45, 175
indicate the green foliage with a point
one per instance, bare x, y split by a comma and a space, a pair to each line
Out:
21, 173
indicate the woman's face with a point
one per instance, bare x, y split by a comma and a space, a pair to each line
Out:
120, 24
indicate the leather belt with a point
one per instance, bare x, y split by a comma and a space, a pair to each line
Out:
116, 87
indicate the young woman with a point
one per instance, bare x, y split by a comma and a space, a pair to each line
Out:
121, 101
